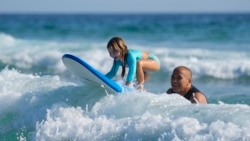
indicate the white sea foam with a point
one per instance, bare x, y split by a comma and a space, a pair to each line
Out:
228, 65
123, 117
7, 40
20, 94
62, 110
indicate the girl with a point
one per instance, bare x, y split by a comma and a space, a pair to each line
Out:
138, 62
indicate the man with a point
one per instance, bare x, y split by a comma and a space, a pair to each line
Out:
181, 82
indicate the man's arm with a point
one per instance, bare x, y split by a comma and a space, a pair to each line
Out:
199, 97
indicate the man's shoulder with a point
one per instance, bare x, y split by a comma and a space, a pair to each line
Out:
201, 97
194, 89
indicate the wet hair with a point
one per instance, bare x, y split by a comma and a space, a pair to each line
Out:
118, 44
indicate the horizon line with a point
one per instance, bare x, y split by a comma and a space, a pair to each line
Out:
121, 13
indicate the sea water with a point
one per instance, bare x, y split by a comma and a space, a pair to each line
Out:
41, 100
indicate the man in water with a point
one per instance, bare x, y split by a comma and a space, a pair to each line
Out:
181, 82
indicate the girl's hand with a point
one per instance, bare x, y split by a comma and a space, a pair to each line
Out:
128, 83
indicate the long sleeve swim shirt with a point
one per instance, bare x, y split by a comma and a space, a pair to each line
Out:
132, 58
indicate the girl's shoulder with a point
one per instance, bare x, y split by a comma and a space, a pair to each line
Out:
133, 55
133, 52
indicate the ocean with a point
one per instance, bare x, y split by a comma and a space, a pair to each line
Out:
40, 100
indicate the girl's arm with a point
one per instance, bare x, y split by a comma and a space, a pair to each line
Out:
113, 70
131, 62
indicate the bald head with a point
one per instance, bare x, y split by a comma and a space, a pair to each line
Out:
185, 71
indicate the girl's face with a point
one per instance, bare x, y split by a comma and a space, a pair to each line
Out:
114, 54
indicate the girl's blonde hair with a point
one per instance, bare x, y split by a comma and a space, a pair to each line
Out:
118, 44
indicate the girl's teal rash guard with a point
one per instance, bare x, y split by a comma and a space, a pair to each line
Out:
132, 58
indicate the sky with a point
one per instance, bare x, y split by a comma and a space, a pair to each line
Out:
124, 6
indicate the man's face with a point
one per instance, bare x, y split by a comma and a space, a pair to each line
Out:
180, 81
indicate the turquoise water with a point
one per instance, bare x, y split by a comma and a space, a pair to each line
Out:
41, 100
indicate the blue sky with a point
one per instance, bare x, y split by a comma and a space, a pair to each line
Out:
123, 6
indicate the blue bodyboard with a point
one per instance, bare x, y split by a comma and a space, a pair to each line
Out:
85, 72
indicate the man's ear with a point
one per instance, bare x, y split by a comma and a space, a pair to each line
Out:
190, 81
